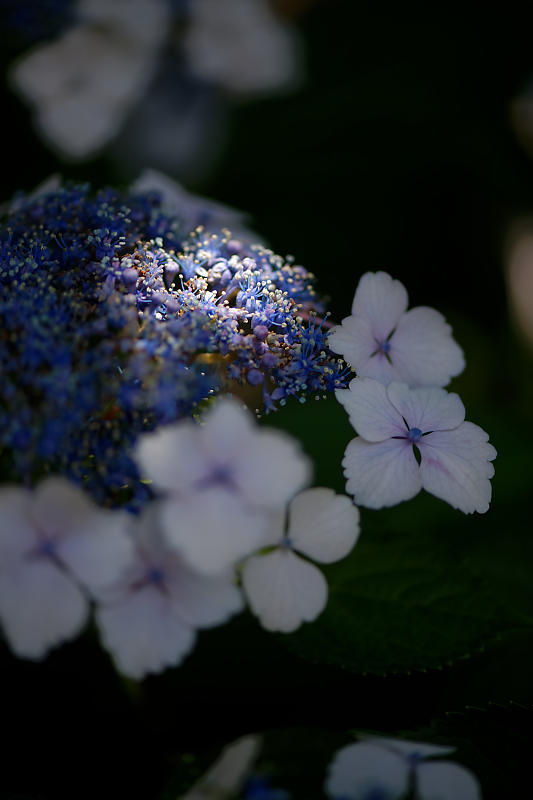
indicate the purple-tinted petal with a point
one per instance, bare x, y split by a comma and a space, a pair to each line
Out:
381, 301
427, 409
323, 525
371, 412
444, 780
381, 473
423, 350
456, 466
361, 771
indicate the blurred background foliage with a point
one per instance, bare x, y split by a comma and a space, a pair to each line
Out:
399, 153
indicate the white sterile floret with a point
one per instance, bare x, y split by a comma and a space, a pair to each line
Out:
388, 768
52, 540
380, 464
382, 340
264, 468
282, 588
148, 618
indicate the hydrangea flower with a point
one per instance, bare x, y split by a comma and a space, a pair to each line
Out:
382, 340
54, 544
381, 464
107, 57
117, 319
387, 769
149, 615
216, 478
284, 589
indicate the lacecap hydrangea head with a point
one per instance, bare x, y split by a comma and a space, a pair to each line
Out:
117, 316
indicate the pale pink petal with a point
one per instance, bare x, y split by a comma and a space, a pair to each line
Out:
427, 409
143, 633
283, 590
17, 533
360, 771
212, 530
381, 301
456, 467
423, 349
381, 473
59, 507
276, 524
371, 412
408, 749
354, 340
272, 470
100, 551
228, 430
40, 607
202, 601
444, 780
172, 457
323, 525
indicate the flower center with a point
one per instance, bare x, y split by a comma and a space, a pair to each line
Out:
414, 435
155, 575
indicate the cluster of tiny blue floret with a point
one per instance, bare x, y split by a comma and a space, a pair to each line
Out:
115, 319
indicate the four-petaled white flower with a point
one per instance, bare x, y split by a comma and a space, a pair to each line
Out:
386, 769
218, 480
382, 340
53, 542
282, 588
148, 618
381, 466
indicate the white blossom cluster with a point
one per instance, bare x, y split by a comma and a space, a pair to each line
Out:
399, 409
223, 489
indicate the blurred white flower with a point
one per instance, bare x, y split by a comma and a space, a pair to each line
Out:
193, 209
242, 45
382, 340
83, 85
218, 479
282, 588
226, 777
52, 540
86, 84
381, 465
262, 467
386, 769
149, 616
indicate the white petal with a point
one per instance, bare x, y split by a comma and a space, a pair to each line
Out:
423, 349
427, 409
203, 601
143, 633
371, 412
211, 529
228, 429
284, 590
323, 525
273, 470
444, 780
360, 771
456, 467
100, 551
59, 507
408, 749
227, 775
381, 301
381, 473
172, 457
40, 607
355, 341
17, 533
